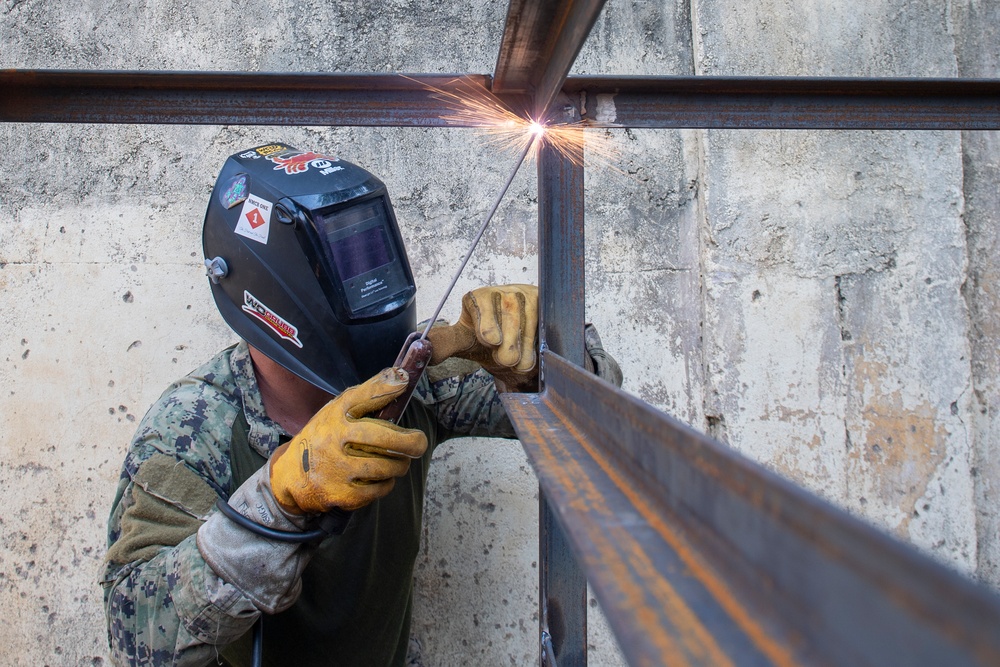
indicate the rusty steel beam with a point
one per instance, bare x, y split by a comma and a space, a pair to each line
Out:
523, 45
562, 583
541, 40
56, 96
701, 557
787, 103
234, 98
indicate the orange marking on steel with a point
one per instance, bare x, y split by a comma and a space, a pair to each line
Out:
698, 642
770, 647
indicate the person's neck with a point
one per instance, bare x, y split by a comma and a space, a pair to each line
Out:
288, 399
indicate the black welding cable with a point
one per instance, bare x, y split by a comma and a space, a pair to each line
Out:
257, 654
332, 523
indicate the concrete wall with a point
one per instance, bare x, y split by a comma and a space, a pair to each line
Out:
824, 302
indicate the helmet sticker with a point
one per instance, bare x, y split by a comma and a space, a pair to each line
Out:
255, 219
267, 150
277, 324
235, 193
298, 162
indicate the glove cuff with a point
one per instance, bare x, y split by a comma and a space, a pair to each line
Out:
266, 571
604, 365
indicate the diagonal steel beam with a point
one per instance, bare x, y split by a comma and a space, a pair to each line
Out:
701, 557
787, 103
234, 98
540, 42
524, 45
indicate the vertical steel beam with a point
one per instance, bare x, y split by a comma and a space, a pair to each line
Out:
560, 252
562, 584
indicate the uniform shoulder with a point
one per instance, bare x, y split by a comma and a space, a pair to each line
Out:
192, 422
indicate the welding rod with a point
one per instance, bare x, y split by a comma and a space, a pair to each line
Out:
479, 235
417, 351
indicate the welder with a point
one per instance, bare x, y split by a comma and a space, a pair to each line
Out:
260, 486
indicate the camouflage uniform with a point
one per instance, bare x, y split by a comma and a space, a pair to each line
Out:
164, 604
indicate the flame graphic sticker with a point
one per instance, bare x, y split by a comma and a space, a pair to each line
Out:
297, 162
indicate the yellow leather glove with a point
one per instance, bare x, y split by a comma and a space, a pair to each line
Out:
498, 329
342, 459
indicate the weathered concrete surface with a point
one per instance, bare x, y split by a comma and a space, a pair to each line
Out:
824, 302
840, 258
106, 303
978, 53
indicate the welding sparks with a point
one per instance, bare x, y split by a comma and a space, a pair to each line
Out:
475, 106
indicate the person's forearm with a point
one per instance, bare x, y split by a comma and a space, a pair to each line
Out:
466, 405
174, 609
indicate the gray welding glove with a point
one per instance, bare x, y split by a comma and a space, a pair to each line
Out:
597, 360
265, 571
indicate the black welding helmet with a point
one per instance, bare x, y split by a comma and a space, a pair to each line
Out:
307, 264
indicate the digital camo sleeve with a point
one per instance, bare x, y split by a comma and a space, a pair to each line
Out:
464, 399
164, 604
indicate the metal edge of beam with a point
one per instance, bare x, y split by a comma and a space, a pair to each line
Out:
238, 98
82, 96
540, 42
572, 32
561, 267
787, 102
523, 44
562, 584
700, 556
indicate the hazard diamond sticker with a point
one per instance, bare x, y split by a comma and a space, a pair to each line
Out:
255, 219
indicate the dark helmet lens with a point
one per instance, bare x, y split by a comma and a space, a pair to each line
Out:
364, 257
359, 248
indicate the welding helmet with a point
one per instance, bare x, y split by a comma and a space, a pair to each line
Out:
307, 265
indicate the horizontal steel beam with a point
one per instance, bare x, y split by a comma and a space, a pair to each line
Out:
56, 96
787, 103
701, 557
237, 98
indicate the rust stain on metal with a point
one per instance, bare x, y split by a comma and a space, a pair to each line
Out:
568, 475
769, 646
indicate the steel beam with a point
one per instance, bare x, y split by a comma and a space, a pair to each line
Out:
788, 103
561, 252
701, 557
56, 96
562, 583
540, 42
523, 45
234, 98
